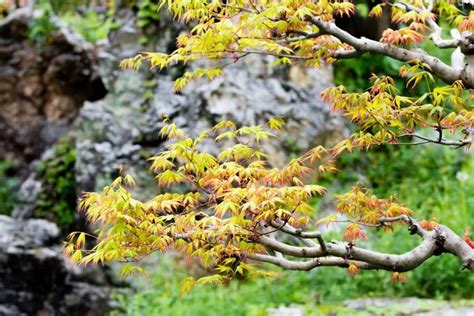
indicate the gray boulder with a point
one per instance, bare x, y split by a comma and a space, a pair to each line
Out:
35, 278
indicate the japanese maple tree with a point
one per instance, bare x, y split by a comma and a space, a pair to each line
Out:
233, 209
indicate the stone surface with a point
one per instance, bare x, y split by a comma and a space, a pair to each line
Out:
36, 280
286, 311
408, 306
42, 87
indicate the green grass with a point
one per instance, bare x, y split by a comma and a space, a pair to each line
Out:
318, 292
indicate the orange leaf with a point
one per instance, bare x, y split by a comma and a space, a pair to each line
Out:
354, 231
353, 270
428, 225
467, 238
398, 277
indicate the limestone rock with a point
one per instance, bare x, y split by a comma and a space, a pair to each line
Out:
35, 279
42, 88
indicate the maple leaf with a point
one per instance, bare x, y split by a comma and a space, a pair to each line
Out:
276, 123
328, 220
470, 242
468, 23
399, 277
353, 232
467, 238
376, 11
428, 225
186, 286
353, 270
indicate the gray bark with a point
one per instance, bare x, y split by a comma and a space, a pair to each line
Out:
438, 241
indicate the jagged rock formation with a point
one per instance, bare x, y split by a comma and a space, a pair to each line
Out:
42, 88
35, 279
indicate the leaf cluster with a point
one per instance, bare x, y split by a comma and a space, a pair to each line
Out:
232, 30
231, 198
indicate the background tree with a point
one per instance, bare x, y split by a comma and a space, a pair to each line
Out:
234, 209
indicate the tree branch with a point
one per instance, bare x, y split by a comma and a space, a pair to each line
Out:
365, 45
414, 226
310, 264
303, 236
441, 141
437, 30
435, 242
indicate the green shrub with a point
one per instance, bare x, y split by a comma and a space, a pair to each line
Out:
7, 185
42, 28
60, 6
58, 195
147, 13
91, 25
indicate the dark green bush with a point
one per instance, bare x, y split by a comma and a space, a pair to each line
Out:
58, 196
7, 185
42, 28
147, 13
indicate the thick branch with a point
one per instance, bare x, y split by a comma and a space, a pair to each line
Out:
404, 262
305, 237
310, 264
455, 245
365, 45
435, 242
414, 226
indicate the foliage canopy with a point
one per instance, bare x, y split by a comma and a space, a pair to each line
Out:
232, 208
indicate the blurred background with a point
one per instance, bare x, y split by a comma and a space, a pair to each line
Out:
69, 117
